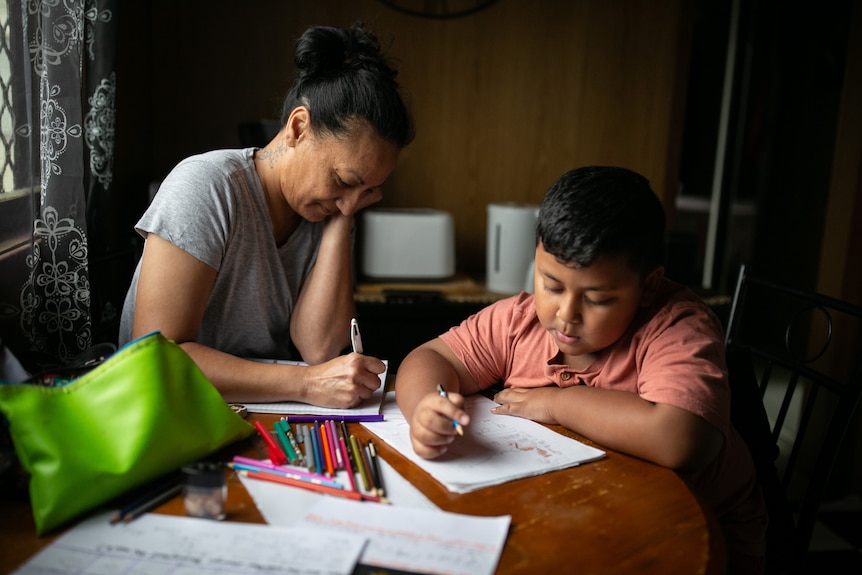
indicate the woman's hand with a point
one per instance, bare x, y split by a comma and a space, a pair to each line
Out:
431, 429
343, 382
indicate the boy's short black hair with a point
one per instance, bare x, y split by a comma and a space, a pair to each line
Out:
595, 211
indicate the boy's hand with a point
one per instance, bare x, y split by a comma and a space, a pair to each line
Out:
431, 429
536, 403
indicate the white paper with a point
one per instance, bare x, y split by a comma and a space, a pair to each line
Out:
494, 449
411, 534
285, 505
154, 544
416, 540
370, 406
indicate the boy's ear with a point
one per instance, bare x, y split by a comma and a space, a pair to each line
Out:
650, 287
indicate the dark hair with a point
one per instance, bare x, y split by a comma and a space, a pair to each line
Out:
594, 211
343, 76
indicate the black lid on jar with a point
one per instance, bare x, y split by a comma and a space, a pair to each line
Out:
204, 474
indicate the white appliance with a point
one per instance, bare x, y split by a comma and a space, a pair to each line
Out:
511, 246
412, 244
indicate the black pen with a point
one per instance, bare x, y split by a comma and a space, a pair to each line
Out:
142, 506
455, 423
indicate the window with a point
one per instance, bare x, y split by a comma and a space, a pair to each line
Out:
16, 201
7, 124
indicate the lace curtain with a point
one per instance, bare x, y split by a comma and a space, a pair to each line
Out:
58, 100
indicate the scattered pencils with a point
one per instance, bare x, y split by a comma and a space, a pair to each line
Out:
328, 448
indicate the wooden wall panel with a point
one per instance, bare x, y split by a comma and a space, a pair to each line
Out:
505, 100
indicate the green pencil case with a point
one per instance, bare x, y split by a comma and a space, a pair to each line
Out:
145, 411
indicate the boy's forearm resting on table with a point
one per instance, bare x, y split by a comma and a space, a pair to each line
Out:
622, 421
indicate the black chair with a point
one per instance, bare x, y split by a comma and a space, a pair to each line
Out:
795, 382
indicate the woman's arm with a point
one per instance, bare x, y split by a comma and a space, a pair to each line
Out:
173, 291
320, 322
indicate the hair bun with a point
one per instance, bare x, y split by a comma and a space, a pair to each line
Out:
326, 51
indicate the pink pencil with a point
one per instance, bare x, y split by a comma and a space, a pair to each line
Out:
347, 465
267, 465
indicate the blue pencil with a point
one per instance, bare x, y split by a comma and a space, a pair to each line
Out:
314, 435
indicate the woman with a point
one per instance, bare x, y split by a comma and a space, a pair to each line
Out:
248, 252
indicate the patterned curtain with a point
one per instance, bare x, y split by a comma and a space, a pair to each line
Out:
61, 101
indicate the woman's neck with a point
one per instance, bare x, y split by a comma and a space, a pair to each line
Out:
283, 219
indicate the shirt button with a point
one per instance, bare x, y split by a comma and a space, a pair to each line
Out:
566, 376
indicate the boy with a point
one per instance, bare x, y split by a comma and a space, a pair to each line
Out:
607, 347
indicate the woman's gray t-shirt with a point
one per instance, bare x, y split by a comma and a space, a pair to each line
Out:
213, 206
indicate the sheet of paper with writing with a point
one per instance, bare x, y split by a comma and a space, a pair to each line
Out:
155, 543
494, 449
415, 540
368, 407
412, 534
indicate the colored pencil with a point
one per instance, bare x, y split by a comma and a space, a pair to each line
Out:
282, 473
275, 452
309, 448
346, 435
270, 465
327, 453
348, 418
333, 445
355, 495
281, 435
346, 457
315, 449
357, 457
375, 467
292, 441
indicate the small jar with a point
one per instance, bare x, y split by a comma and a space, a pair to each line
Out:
205, 490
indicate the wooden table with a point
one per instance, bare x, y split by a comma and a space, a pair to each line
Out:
616, 515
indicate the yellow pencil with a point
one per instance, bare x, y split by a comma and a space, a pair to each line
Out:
357, 457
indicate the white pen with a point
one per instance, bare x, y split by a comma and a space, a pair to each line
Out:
355, 338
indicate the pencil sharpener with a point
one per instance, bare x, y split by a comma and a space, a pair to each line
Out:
205, 490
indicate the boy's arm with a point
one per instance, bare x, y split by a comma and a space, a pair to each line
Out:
430, 416
622, 421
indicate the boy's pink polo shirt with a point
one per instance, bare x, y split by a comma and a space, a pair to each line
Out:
673, 354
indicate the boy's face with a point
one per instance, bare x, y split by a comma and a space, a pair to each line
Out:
586, 310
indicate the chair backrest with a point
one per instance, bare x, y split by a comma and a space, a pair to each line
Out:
796, 382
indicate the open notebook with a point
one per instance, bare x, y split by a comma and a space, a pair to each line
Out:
495, 448
368, 407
